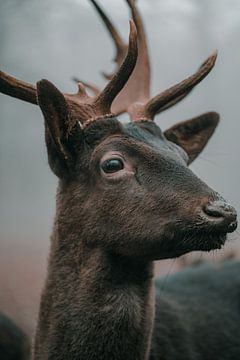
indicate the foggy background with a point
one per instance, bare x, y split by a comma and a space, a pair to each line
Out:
59, 39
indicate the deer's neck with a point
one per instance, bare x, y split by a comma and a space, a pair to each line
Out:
95, 305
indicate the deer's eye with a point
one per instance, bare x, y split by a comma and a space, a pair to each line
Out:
112, 165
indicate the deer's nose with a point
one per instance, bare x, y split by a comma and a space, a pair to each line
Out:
221, 215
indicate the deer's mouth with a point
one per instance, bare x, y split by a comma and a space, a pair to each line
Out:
208, 241
209, 231
203, 241
182, 243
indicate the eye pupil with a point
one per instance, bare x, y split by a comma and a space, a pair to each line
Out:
112, 165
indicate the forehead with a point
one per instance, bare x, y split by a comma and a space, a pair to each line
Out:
151, 134
144, 132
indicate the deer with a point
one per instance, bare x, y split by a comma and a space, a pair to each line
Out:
14, 344
126, 197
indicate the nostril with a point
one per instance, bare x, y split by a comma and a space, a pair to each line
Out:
220, 216
220, 211
213, 211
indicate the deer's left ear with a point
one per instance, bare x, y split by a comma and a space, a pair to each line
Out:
62, 132
192, 135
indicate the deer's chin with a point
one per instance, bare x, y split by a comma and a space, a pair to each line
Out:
206, 241
184, 243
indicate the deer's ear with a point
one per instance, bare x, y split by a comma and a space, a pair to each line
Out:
192, 135
62, 133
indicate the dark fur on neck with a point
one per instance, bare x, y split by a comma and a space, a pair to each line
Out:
97, 306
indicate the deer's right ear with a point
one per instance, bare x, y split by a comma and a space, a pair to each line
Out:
62, 133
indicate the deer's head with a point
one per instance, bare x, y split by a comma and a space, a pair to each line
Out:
127, 188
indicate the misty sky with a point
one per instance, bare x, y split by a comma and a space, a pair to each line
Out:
61, 38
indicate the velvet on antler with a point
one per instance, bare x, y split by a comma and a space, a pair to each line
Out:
135, 98
82, 106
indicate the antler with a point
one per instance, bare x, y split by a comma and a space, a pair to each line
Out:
141, 72
135, 98
139, 87
82, 106
120, 45
147, 110
17, 88
94, 89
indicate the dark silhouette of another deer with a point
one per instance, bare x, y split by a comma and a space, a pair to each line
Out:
126, 198
14, 344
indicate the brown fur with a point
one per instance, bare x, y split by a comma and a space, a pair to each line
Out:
98, 301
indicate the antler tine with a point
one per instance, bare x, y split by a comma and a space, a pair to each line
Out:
138, 87
120, 45
176, 93
82, 106
143, 63
17, 88
88, 109
180, 97
93, 88
143, 81
106, 97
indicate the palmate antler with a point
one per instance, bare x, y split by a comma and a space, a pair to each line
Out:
135, 97
81, 106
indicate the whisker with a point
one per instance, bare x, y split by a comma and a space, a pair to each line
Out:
209, 161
